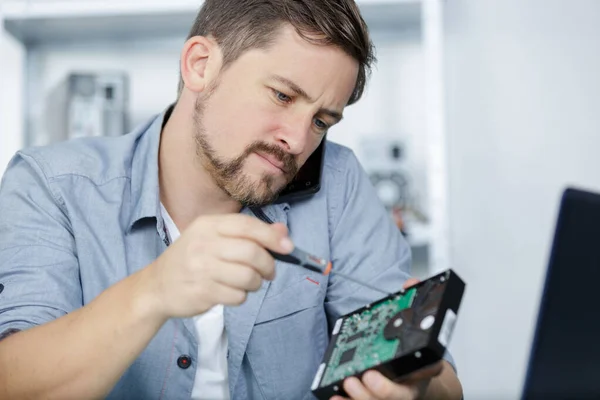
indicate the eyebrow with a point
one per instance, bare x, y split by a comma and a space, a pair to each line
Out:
298, 91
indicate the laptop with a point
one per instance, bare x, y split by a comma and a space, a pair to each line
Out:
564, 362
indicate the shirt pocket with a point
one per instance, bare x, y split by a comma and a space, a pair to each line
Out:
300, 295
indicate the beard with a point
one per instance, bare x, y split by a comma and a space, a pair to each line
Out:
229, 175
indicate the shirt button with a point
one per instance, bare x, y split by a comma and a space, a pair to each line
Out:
184, 362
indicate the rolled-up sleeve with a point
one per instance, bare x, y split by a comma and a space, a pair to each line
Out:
38, 265
365, 243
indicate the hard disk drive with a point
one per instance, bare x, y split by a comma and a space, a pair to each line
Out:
396, 335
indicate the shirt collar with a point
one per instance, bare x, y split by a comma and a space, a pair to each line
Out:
144, 170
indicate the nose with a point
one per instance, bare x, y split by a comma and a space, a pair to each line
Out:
294, 134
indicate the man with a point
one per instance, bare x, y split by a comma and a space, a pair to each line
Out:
135, 268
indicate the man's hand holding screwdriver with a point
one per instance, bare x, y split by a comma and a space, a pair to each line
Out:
217, 260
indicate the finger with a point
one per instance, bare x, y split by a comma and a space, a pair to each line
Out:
227, 296
428, 372
356, 390
410, 282
338, 398
384, 388
247, 252
244, 226
281, 228
237, 276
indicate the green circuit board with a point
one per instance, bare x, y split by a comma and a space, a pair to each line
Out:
360, 344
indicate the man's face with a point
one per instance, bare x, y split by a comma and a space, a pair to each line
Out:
268, 113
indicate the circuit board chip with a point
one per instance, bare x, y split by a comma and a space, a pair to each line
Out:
347, 355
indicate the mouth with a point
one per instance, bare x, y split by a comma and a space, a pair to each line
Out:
274, 161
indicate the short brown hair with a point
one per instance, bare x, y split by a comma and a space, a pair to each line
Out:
240, 25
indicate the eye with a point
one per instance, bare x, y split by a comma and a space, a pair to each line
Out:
282, 97
321, 125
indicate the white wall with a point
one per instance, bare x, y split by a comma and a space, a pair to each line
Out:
523, 96
11, 101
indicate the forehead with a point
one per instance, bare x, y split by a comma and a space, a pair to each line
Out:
324, 72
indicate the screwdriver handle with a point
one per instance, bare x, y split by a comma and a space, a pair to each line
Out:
288, 258
304, 259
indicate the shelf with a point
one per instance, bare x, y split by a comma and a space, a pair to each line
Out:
48, 21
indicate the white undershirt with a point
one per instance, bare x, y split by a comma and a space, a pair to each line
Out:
211, 380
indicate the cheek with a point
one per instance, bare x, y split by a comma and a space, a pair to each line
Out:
236, 116
230, 127
250, 122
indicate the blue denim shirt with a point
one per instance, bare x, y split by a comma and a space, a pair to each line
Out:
79, 216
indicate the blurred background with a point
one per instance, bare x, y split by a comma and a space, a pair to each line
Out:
478, 115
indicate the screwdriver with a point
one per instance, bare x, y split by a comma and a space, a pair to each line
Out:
319, 265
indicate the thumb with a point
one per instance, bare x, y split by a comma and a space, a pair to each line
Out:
410, 282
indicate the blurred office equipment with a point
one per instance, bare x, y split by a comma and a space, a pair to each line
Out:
385, 160
88, 104
395, 178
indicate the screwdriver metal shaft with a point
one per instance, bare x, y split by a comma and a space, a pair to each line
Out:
348, 277
316, 264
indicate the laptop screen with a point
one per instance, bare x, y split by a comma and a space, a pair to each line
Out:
565, 356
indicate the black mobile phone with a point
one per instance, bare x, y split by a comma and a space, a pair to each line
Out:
308, 179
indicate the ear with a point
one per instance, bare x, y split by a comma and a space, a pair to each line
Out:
200, 63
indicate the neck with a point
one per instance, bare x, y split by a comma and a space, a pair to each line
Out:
187, 190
